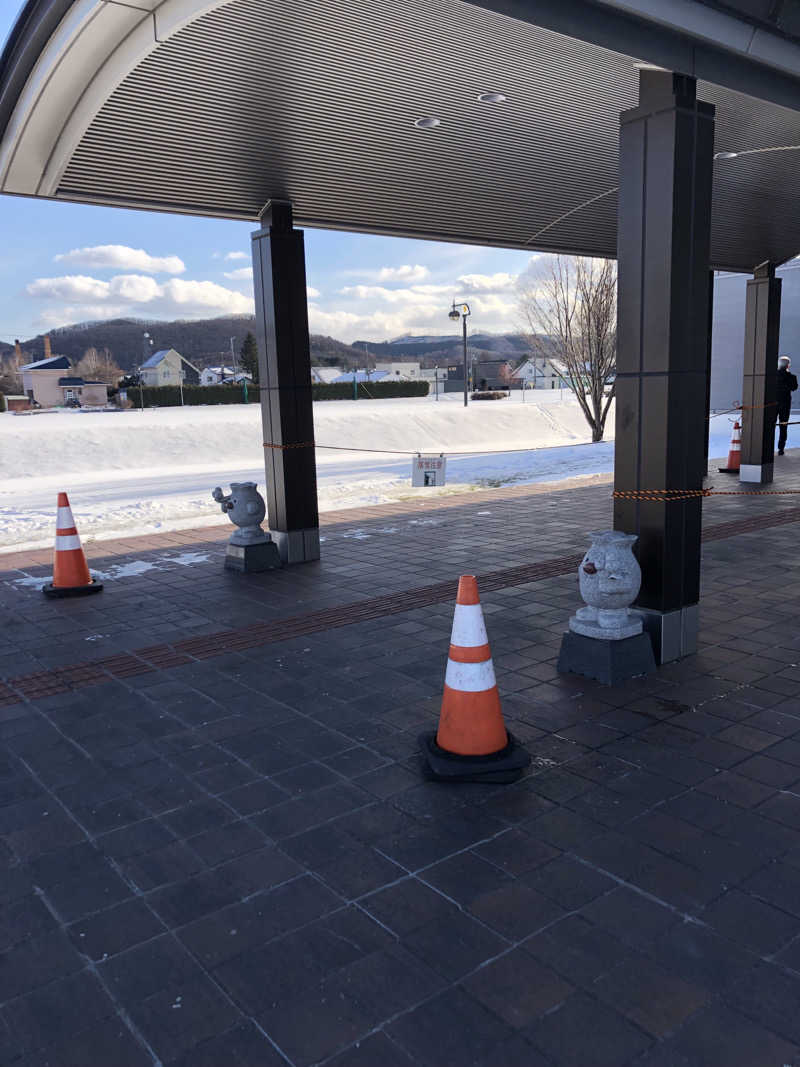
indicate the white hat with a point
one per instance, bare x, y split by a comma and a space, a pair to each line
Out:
784, 359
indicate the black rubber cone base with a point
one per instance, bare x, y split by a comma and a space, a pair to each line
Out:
57, 592
728, 470
500, 767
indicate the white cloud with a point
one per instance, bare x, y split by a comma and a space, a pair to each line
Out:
76, 287
121, 257
240, 274
134, 288
312, 293
237, 255
486, 283
415, 294
406, 273
129, 294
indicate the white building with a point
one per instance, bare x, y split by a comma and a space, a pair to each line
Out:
399, 371
324, 375
538, 373
217, 375
168, 367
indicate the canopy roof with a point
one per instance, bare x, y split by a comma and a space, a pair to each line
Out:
214, 108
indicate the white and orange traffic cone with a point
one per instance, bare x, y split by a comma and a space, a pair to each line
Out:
735, 452
70, 571
471, 744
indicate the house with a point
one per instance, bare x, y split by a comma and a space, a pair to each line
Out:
47, 385
84, 393
399, 371
219, 375
324, 375
538, 372
168, 367
40, 380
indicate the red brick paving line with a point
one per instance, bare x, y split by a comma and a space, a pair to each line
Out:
206, 646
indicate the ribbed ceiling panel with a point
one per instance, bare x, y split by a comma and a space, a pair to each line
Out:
316, 104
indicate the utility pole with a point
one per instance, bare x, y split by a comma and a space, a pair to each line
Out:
233, 358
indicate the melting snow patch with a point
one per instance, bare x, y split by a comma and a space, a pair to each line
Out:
187, 559
357, 535
483, 513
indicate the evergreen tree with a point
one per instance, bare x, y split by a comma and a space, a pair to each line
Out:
248, 357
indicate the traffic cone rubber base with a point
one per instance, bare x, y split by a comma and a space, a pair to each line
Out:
59, 592
500, 767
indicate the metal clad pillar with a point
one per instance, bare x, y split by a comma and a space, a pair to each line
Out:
761, 338
284, 363
666, 162
708, 361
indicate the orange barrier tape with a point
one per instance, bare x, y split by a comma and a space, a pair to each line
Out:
665, 496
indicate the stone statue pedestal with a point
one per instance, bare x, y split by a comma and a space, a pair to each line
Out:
607, 661
252, 558
605, 639
250, 549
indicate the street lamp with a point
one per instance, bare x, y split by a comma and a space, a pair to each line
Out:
460, 311
147, 343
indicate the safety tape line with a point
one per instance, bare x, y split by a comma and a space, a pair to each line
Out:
666, 496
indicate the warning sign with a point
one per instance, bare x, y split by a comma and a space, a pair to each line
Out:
428, 470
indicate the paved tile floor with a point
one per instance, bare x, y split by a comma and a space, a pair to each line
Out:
235, 860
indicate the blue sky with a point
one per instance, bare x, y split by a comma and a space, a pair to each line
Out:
62, 263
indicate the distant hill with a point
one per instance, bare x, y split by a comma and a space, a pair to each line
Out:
204, 342
447, 348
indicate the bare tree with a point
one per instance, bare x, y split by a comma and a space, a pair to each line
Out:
10, 373
97, 366
569, 308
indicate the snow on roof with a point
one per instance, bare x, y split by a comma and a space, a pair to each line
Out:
360, 376
156, 358
52, 363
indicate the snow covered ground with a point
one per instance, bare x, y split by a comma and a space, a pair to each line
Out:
138, 472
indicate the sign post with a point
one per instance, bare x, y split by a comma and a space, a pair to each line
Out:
428, 470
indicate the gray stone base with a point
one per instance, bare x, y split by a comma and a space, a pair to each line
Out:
250, 559
609, 662
297, 546
756, 473
673, 633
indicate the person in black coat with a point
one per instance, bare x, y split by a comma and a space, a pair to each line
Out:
787, 383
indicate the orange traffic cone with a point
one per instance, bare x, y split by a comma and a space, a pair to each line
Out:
70, 572
471, 744
735, 453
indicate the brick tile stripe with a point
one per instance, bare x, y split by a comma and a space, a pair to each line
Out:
206, 646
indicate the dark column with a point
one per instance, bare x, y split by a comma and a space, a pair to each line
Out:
666, 161
761, 335
708, 361
284, 364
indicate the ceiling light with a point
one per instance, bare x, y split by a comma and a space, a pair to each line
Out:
725, 155
427, 123
491, 98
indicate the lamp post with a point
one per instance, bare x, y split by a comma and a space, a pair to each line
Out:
147, 342
460, 311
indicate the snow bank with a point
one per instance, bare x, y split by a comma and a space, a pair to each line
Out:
181, 439
134, 472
